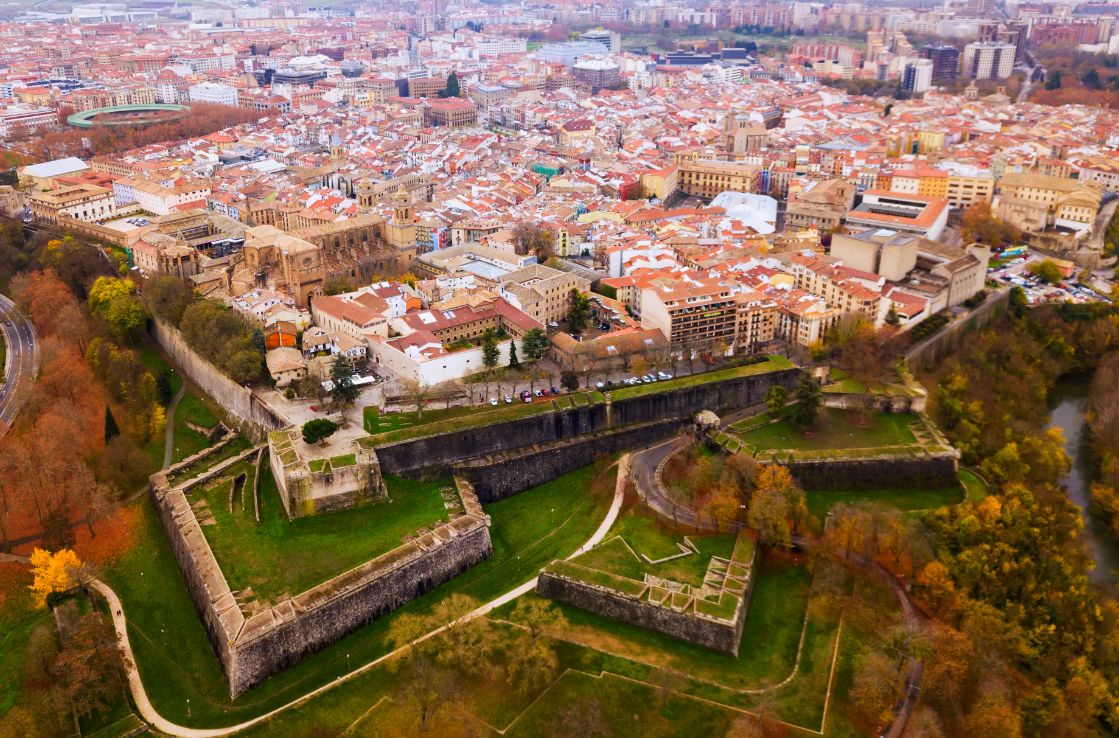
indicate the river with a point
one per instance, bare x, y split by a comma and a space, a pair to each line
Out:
1069, 401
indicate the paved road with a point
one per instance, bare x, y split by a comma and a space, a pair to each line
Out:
22, 362
152, 717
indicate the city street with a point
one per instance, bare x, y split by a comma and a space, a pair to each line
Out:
21, 363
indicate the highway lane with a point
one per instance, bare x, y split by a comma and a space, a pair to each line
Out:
22, 362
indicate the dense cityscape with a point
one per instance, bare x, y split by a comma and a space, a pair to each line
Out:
640, 368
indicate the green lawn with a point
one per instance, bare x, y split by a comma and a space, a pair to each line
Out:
770, 364
228, 451
451, 419
394, 427
769, 641
835, 429
187, 442
280, 556
154, 361
173, 652
976, 488
637, 533
820, 501
18, 618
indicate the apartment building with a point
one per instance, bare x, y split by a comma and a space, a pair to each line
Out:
707, 178
453, 112
1034, 202
847, 289
691, 314
86, 202
989, 60
968, 185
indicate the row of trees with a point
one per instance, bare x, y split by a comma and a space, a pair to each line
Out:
217, 332
203, 119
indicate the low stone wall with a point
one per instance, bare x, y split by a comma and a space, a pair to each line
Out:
250, 649
875, 402
876, 472
948, 339
497, 476
438, 455
254, 417
718, 635
282, 635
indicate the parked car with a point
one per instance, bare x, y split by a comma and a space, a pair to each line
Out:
599, 385
664, 375
508, 399
539, 393
493, 401
555, 390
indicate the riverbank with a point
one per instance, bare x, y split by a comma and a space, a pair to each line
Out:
1068, 402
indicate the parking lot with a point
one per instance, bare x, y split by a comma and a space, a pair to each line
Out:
1016, 273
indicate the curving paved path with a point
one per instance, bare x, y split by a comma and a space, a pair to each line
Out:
152, 717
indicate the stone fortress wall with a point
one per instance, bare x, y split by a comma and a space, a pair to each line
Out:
504, 443
252, 416
685, 624
251, 647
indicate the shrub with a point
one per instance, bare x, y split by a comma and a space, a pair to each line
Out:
318, 429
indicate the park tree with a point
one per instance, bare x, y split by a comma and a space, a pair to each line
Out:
876, 689
892, 317
569, 380
88, 666
1047, 271
533, 238
53, 572
224, 338
111, 428
535, 344
768, 514
491, 354
75, 262
115, 301
343, 391
808, 399
418, 392
538, 616
775, 400
514, 362
579, 312
453, 89
980, 224
431, 674
163, 386
166, 297
318, 430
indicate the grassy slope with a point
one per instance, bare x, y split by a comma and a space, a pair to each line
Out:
403, 426
835, 429
820, 501
280, 556
174, 655
641, 534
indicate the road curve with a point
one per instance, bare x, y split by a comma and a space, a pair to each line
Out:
152, 717
21, 362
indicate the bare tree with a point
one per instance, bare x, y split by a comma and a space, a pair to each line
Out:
418, 392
